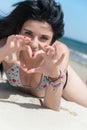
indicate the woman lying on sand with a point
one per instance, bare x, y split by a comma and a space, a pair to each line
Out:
33, 59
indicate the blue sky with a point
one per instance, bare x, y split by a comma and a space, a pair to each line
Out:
75, 16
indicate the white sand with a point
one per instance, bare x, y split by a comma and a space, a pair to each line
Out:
80, 69
19, 111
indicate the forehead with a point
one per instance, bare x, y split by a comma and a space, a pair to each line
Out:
37, 26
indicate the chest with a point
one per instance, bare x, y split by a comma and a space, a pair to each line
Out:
18, 77
32, 80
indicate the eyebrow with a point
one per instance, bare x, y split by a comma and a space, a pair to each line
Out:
27, 30
32, 32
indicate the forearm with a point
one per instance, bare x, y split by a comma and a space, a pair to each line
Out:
53, 92
53, 97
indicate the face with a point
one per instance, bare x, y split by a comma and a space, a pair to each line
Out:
40, 33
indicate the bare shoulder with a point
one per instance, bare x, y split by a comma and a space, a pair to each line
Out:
61, 46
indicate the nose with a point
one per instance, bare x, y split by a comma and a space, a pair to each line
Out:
35, 43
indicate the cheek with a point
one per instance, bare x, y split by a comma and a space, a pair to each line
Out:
43, 46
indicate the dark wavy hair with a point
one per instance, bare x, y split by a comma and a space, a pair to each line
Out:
42, 10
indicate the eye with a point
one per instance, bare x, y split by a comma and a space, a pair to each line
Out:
44, 38
28, 33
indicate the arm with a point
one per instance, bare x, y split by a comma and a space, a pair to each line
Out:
55, 59
53, 97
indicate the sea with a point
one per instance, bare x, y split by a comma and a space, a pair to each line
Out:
78, 50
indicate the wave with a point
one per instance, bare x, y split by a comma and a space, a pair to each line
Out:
78, 50
79, 57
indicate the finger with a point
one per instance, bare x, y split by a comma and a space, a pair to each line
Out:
18, 63
39, 70
41, 53
12, 42
10, 38
38, 53
50, 50
25, 38
21, 65
35, 70
28, 50
15, 43
59, 61
56, 50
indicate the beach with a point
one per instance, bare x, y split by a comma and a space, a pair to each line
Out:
20, 111
80, 69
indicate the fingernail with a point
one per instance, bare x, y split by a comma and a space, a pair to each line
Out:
33, 54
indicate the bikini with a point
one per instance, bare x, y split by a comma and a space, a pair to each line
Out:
13, 77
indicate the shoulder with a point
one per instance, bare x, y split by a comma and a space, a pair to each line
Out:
61, 46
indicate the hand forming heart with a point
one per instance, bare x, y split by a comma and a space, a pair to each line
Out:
49, 64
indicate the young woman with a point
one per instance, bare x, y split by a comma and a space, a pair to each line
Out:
32, 58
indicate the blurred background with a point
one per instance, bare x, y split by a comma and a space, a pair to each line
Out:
75, 36
75, 19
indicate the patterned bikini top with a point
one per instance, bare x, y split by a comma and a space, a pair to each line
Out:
13, 78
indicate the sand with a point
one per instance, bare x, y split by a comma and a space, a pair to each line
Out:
80, 69
19, 111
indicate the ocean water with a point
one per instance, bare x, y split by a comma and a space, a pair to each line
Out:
78, 50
